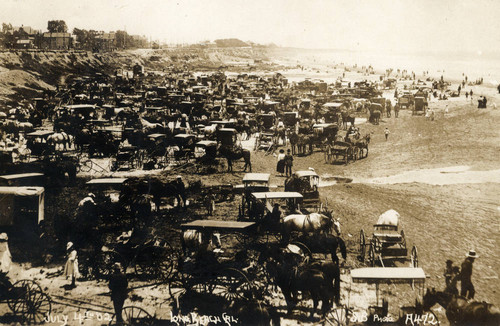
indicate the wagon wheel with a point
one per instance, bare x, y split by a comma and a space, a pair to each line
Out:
26, 299
85, 166
135, 316
38, 306
338, 316
104, 263
157, 260
414, 257
371, 256
235, 284
403, 239
362, 245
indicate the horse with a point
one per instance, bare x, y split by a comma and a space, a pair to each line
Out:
155, 187
362, 144
460, 311
291, 276
191, 240
60, 140
304, 145
232, 154
314, 222
294, 140
325, 244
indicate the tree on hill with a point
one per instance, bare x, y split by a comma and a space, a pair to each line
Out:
230, 42
57, 26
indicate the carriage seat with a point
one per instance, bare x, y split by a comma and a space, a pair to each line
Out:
387, 233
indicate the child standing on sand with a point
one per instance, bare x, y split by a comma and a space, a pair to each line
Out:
386, 132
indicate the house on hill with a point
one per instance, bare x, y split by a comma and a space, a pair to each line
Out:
106, 41
57, 41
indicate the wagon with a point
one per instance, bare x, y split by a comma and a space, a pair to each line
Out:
252, 182
148, 256
128, 157
387, 244
156, 148
420, 106
37, 143
26, 300
265, 141
209, 273
186, 144
341, 151
306, 183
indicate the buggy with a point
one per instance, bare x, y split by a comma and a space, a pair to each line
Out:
306, 183
387, 243
128, 157
420, 106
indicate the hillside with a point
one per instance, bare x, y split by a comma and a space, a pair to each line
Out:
25, 74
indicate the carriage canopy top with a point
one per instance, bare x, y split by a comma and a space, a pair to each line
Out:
250, 177
306, 173
276, 195
108, 181
390, 217
380, 275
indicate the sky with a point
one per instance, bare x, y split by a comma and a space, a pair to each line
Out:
397, 25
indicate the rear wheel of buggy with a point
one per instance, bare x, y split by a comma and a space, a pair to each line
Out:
134, 316
338, 316
234, 283
27, 300
414, 257
39, 306
156, 260
104, 264
362, 245
85, 166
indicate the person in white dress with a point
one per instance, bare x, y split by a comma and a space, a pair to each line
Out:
71, 267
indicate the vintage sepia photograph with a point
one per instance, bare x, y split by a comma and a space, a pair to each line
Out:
234, 162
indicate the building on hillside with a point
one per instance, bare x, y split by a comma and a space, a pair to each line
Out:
24, 44
57, 41
106, 41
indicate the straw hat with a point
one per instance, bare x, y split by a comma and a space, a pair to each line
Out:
472, 254
69, 245
3, 237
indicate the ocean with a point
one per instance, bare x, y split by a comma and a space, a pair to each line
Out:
452, 66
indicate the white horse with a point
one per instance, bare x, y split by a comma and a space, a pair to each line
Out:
192, 240
60, 140
149, 125
314, 222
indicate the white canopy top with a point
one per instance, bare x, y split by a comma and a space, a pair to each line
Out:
390, 217
388, 275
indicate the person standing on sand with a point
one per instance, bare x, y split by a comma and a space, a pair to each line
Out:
466, 95
467, 288
280, 165
288, 163
118, 286
71, 267
386, 132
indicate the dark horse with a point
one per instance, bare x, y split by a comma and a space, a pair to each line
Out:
324, 244
460, 311
235, 153
154, 187
320, 280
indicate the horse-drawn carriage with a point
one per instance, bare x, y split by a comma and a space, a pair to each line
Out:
420, 106
341, 151
210, 271
186, 147
128, 157
306, 183
38, 143
265, 141
252, 182
387, 244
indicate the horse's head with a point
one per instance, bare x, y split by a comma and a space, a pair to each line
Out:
332, 223
430, 299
